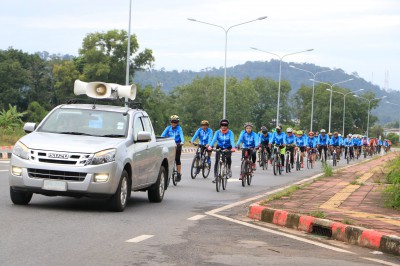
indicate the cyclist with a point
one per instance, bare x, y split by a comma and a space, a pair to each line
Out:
312, 145
265, 138
225, 141
278, 138
380, 143
205, 134
301, 143
335, 143
290, 143
175, 131
348, 142
250, 141
322, 143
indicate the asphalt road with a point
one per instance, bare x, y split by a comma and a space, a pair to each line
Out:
194, 225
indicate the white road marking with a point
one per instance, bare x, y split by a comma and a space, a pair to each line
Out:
196, 217
231, 180
381, 261
3, 170
139, 238
4, 162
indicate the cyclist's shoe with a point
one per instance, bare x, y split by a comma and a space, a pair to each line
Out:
215, 178
229, 173
302, 165
178, 177
209, 160
282, 167
240, 178
253, 165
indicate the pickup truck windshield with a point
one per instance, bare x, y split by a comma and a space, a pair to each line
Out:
86, 122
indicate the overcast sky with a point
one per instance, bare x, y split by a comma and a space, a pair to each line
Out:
354, 35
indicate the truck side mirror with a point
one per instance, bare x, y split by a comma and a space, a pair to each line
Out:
29, 127
143, 136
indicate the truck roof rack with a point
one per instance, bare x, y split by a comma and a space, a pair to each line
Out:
116, 102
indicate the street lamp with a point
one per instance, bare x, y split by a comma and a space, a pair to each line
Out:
280, 72
330, 100
369, 107
128, 50
312, 98
344, 103
226, 46
399, 118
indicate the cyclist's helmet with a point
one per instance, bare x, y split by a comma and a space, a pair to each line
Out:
248, 124
224, 122
349, 135
204, 123
264, 130
174, 119
323, 131
299, 132
289, 130
311, 133
364, 137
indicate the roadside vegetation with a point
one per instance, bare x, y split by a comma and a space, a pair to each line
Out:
392, 191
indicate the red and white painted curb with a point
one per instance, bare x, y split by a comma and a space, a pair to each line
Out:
5, 152
347, 233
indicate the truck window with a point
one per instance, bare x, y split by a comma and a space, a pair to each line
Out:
137, 126
147, 124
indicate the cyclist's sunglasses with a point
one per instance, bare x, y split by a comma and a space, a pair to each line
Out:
224, 125
174, 121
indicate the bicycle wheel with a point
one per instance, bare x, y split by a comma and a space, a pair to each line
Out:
334, 159
265, 164
206, 168
260, 160
218, 178
249, 175
224, 177
298, 164
243, 172
275, 165
195, 169
287, 163
174, 175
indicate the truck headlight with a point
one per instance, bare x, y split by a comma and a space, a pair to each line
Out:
21, 150
105, 156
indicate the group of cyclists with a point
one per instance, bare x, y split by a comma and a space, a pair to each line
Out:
315, 144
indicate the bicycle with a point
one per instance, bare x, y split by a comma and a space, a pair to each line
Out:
199, 162
276, 163
174, 175
365, 151
310, 161
322, 155
246, 169
334, 157
287, 161
222, 170
298, 159
264, 155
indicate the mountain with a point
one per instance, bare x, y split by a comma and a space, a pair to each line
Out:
168, 80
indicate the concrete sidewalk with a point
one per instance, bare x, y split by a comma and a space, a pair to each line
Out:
350, 205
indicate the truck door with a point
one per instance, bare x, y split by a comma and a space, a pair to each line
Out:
153, 153
138, 151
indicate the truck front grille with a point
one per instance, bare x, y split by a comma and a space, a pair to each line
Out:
59, 175
65, 158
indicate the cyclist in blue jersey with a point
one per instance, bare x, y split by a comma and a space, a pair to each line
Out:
380, 143
290, 143
249, 138
301, 143
335, 143
224, 138
175, 131
312, 145
348, 142
278, 139
265, 138
205, 134
322, 143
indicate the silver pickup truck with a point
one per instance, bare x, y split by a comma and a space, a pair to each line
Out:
91, 150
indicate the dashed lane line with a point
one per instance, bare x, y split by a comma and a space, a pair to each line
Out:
381, 261
196, 217
139, 238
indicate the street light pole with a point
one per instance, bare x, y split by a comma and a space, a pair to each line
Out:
226, 47
399, 117
128, 50
280, 73
369, 108
344, 103
330, 98
313, 89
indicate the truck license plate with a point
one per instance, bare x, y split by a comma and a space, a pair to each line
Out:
55, 185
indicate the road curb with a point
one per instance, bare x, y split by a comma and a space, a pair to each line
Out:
338, 231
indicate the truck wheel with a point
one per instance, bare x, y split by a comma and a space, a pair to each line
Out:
119, 199
156, 191
20, 197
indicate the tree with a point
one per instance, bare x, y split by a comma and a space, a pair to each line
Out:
104, 56
64, 75
35, 112
10, 119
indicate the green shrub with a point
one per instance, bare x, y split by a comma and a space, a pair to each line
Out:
392, 192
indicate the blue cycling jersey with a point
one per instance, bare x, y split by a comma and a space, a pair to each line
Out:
300, 141
205, 136
348, 142
249, 140
323, 140
278, 139
224, 140
312, 142
289, 139
266, 138
335, 141
175, 133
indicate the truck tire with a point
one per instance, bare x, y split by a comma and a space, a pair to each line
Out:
120, 198
20, 197
156, 191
